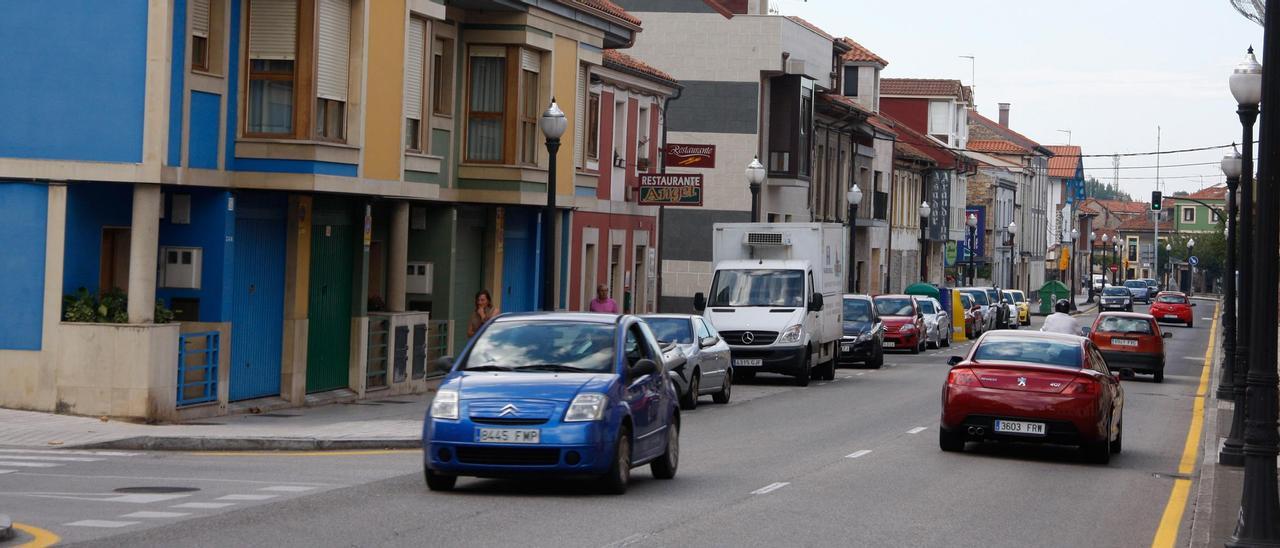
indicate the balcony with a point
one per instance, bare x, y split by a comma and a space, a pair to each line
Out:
880, 206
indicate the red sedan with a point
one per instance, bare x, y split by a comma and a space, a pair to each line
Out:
903, 322
1033, 387
1173, 306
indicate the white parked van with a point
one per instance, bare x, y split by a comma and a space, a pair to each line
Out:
775, 296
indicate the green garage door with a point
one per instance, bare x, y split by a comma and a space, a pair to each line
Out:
329, 311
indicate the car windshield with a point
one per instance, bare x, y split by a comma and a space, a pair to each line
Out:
780, 288
1008, 298
979, 296
992, 294
857, 310
1117, 324
927, 307
1171, 299
1135, 283
1019, 297
675, 330
1041, 351
543, 346
966, 301
1151, 283
1116, 291
894, 306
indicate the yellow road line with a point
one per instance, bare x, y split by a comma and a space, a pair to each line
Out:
1170, 522
40, 537
352, 453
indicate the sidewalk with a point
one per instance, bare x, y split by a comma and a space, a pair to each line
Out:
395, 422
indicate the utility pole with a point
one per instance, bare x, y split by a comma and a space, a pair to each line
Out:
1155, 242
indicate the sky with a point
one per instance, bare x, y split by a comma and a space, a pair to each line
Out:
1110, 71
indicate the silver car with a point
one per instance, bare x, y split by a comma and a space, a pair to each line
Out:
706, 368
937, 323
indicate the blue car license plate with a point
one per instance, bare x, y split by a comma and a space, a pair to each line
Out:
508, 435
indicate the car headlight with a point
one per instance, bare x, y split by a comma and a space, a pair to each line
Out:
586, 407
864, 336
792, 334
907, 328
445, 405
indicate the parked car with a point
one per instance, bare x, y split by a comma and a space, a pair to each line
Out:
1138, 289
937, 323
1173, 306
1002, 312
705, 366
1024, 307
1033, 387
972, 316
1116, 298
1010, 308
981, 297
1130, 341
554, 394
863, 340
903, 322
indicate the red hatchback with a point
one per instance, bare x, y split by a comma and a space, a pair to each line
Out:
1130, 340
1033, 387
1173, 306
903, 322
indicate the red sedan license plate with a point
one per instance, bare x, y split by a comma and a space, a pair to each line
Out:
1020, 427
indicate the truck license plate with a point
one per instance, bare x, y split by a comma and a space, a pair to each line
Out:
748, 362
507, 435
1020, 427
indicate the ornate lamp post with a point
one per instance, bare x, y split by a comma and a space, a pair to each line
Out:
1072, 267
1093, 237
755, 177
1115, 262
1013, 231
1168, 275
1230, 168
925, 210
972, 223
1106, 258
1191, 249
553, 124
854, 197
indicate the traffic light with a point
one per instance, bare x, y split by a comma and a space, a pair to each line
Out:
1156, 195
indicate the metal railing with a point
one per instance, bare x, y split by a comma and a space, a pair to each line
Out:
437, 344
198, 355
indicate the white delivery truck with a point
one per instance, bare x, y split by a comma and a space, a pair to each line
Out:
776, 296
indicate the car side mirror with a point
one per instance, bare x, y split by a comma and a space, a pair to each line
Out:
443, 364
954, 360
1193, 304
709, 341
1115, 375
1085, 331
642, 368
699, 302
815, 302
1168, 335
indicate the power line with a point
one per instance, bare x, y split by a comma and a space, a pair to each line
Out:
1100, 168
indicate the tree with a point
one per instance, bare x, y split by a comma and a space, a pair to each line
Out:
1095, 189
1253, 10
1181, 193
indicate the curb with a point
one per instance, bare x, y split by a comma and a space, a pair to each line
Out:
6, 527
154, 443
1202, 504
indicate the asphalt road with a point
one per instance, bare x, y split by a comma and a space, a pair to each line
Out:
852, 462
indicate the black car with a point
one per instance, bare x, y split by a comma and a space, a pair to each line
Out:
1116, 297
863, 338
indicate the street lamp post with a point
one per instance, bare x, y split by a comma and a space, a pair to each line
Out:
1106, 258
972, 223
925, 210
1071, 265
1093, 236
1230, 168
1168, 274
854, 197
1191, 280
553, 124
755, 178
1115, 263
1013, 231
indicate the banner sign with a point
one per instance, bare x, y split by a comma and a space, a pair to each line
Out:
939, 193
671, 190
949, 253
691, 155
975, 248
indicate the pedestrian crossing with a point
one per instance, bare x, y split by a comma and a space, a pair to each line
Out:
31, 460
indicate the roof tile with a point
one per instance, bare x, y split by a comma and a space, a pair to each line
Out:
926, 87
607, 6
995, 146
618, 60
811, 27
975, 117
1216, 192
857, 53
1065, 161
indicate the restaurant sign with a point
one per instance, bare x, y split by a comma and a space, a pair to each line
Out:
691, 155
671, 190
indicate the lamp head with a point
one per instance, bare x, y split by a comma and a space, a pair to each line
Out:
755, 171
854, 196
1246, 81
553, 122
1231, 166
925, 210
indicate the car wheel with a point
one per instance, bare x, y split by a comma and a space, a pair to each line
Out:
951, 442
946, 341
1191, 325
665, 467
1159, 375
437, 481
615, 480
877, 361
1098, 452
915, 349
1117, 443
689, 400
726, 389
828, 372
1128, 308
802, 376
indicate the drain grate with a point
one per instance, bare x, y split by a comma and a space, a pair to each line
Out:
156, 490
1163, 475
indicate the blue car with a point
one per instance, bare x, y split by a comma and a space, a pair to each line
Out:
554, 394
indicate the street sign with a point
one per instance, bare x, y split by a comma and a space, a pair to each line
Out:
1114, 269
1193, 260
691, 155
671, 190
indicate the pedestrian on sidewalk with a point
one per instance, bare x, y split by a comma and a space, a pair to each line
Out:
602, 302
484, 312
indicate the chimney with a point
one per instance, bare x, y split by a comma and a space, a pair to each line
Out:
1004, 114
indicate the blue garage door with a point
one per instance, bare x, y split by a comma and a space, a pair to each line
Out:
520, 267
257, 307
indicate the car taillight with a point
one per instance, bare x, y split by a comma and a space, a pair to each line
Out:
1085, 386
962, 377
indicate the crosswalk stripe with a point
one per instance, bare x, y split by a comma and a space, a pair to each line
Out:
3, 452
155, 515
100, 523
7, 471
204, 505
52, 459
288, 488
247, 497
29, 464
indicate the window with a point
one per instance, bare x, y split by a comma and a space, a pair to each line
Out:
442, 76
939, 117
200, 35
593, 126
487, 95
530, 65
333, 54
637, 346
642, 139
414, 72
273, 29
1189, 214
790, 125
851, 81
806, 127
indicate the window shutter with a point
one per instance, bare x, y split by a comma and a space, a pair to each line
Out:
200, 18
530, 60
273, 29
333, 55
580, 119
414, 59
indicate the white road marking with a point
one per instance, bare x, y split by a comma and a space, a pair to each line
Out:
860, 374
1194, 358
51, 459
131, 498
857, 454
917, 430
288, 488
155, 515
204, 505
247, 497
771, 487
100, 523
147, 498
29, 464
1207, 319
7, 471
70, 452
